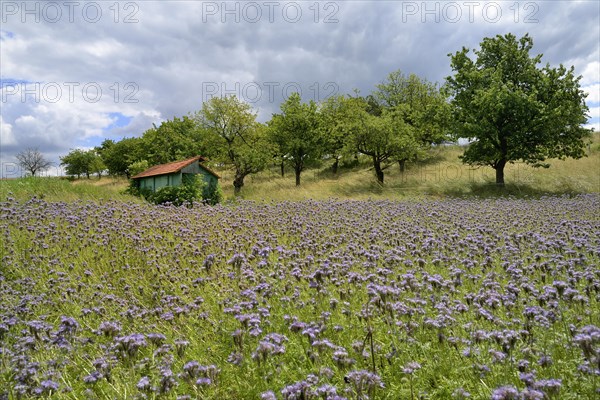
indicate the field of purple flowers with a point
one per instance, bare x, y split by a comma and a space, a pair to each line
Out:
478, 299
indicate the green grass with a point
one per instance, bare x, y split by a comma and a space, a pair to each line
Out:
441, 175
62, 189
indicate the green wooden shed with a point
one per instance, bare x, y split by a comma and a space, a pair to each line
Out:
174, 174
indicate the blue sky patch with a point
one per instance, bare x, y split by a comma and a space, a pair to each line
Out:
6, 35
4, 82
120, 120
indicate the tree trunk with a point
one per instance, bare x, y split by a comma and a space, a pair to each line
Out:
402, 164
500, 172
378, 170
282, 168
334, 167
298, 171
238, 182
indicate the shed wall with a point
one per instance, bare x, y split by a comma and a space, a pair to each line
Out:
156, 182
193, 168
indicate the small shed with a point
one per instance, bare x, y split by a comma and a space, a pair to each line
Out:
175, 174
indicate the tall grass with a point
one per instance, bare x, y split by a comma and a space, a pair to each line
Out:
441, 175
62, 189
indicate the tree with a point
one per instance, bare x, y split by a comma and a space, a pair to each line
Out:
333, 114
418, 103
173, 140
96, 164
512, 110
80, 162
118, 156
295, 132
33, 161
138, 167
234, 136
384, 138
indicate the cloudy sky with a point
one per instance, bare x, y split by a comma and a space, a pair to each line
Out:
76, 73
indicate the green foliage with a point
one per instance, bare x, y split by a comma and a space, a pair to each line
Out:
379, 137
192, 189
234, 137
334, 114
118, 156
138, 167
423, 105
212, 193
79, 162
176, 195
418, 113
397, 123
173, 140
185, 194
295, 133
513, 110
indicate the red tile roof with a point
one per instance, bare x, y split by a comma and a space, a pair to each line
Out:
169, 168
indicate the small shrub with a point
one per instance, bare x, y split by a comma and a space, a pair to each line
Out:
213, 194
189, 192
193, 189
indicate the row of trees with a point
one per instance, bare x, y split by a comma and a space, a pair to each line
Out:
508, 108
398, 122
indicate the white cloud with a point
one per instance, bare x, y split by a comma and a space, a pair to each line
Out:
593, 92
6, 135
595, 126
591, 73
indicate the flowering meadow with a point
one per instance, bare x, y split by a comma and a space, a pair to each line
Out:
478, 299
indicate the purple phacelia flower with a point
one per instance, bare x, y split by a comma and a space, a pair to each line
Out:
411, 367
269, 395
144, 384
505, 393
110, 329
93, 377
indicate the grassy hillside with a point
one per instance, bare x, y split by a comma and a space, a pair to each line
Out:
441, 175
62, 189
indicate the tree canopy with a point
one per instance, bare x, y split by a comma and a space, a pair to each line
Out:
172, 140
384, 138
83, 162
511, 109
232, 136
295, 131
118, 156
